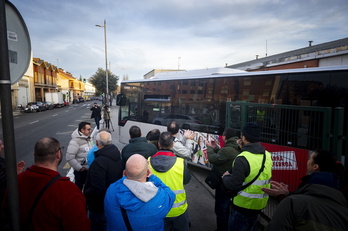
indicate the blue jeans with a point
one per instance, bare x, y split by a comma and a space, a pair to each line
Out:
241, 222
97, 119
222, 208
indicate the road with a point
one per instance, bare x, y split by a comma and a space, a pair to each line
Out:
58, 123
61, 122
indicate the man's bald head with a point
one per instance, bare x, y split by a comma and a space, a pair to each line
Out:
136, 168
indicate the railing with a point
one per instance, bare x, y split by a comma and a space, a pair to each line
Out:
304, 127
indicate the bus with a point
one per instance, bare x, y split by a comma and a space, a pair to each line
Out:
299, 110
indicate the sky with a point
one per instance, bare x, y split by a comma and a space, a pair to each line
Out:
143, 35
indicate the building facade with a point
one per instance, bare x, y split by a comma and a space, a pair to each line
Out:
333, 53
42, 77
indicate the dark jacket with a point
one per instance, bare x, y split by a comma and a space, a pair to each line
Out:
96, 112
106, 168
138, 145
240, 170
223, 158
324, 178
312, 207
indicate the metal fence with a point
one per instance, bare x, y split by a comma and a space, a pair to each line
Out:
303, 127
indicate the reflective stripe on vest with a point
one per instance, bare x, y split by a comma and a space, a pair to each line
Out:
259, 182
174, 179
253, 197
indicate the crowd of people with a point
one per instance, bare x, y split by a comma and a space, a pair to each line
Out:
141, 187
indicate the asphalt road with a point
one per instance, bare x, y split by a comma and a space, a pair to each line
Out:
58, 123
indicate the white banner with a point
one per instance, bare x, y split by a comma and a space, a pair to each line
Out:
285, 160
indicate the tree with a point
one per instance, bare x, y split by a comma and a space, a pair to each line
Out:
99, 82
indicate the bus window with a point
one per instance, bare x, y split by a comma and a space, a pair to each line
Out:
121, 100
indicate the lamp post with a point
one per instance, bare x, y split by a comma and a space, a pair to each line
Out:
106, 64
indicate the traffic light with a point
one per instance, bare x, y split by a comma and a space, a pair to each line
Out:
84, 80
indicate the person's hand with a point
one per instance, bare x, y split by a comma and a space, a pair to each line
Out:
240, 143
83, 169
226, 173
20, 166
189, 135
211, 144
277, 188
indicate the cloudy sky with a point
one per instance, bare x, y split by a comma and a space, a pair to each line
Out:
166, 34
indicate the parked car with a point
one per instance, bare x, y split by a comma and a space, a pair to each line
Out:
124, 119
66, 103
31, 107
187, 122
48, 105
41, 106
180, 119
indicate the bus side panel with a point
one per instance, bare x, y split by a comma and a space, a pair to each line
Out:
289, 164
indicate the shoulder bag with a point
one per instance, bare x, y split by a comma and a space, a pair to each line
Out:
232, 194
214, 179
126, 220
28, 221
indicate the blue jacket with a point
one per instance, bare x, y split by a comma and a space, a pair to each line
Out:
146, 204
91, 156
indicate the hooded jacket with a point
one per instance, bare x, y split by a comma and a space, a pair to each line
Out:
312, 207
241, 169
106, 168
146, 204
76, 154
163, 162
223, 158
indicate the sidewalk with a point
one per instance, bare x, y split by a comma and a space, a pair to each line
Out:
15, 113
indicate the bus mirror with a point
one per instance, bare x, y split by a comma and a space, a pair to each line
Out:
120, 100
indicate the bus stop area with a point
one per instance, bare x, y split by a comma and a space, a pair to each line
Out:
200, 197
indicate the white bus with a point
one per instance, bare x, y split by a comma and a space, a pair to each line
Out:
296, 108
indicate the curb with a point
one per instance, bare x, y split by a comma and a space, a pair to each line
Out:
14, 113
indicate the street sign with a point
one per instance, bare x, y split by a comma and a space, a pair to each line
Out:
19, 48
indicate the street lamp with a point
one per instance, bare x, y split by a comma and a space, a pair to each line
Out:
106, 64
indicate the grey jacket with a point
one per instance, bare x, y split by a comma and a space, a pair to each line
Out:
76, 154
183, 148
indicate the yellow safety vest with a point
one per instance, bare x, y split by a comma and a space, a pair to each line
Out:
253, 197
174, 179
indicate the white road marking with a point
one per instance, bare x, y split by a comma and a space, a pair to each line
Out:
34, 122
